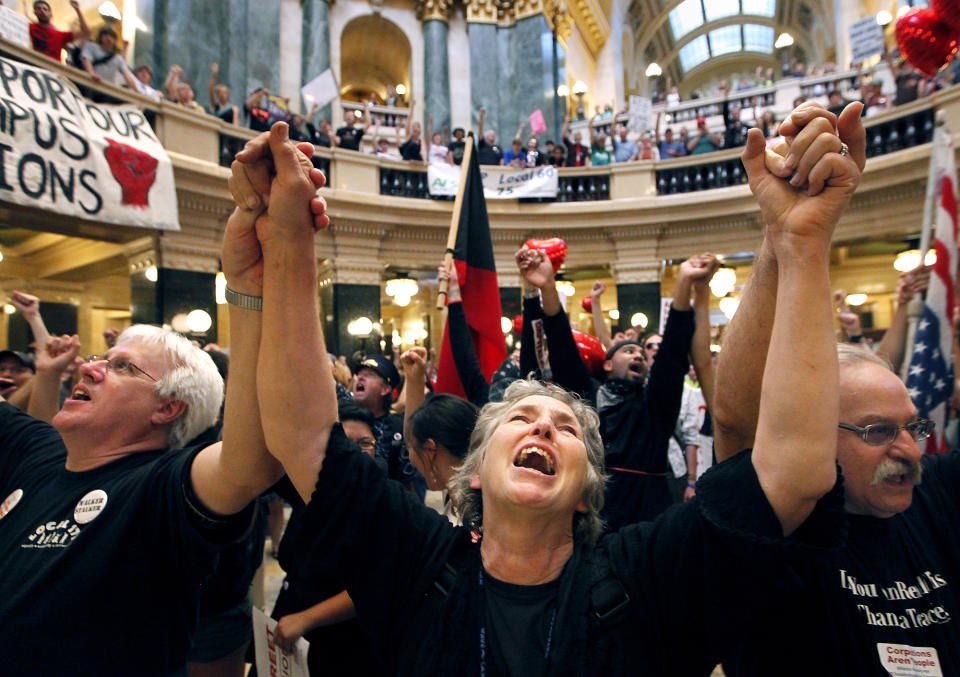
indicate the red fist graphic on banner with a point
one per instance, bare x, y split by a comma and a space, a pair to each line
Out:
134, 170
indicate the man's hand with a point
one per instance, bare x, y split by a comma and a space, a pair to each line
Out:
535, 267
214, 69
792, 217
27, 304
290, 628
850, 323
597, 290
110, 335
696, 269
912, 282
711, 264
58, 354
414, 363
449, 273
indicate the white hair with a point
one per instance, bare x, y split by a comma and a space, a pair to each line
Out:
192, 379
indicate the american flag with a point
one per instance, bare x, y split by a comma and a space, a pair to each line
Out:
930, 374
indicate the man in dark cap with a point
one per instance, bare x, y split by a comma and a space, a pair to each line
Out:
376, 379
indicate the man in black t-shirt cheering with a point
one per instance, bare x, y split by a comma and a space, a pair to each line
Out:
887, 602
488, 151
411, 149
349, 136
455, 148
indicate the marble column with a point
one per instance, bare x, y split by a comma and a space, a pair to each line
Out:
485, 84
176, 292
638, 297
436, 72
315, 46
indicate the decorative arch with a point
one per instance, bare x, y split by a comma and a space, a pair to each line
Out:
374, 53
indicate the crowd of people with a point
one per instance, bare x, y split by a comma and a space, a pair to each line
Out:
659, 511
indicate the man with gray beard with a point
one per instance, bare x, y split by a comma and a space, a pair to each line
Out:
887, 602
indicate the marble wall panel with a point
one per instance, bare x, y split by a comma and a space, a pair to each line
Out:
436, 72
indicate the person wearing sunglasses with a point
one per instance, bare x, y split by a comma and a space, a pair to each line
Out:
887, 601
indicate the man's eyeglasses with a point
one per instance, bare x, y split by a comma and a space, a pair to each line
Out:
119, 365
367, 444
882, 434
651, 344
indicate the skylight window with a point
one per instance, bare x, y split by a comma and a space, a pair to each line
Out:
694, 53
759, 7
757, 38
718, 9
687, 16
725, 40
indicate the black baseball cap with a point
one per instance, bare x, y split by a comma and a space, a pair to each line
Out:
617, 346
382, 366
22, 358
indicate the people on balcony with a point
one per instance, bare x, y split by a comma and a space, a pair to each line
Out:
578, 155
488, 151
104, 63
46, 39
625, 150
705, 141
348, 136
220, 99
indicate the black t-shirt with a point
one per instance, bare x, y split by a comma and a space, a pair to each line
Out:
488, 154
410, 150
350, 137
259, 118
718, 556
896, 582
456, 147
577, 153
518, 626
102, 568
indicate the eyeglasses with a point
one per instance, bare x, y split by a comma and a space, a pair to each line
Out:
367, 444
651, 344
882, 434
119, 365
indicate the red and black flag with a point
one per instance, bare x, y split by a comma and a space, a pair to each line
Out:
477, 275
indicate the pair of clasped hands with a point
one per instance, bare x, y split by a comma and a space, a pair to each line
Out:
802, 186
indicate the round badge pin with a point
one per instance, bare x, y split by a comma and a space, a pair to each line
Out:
90, 506
10, 502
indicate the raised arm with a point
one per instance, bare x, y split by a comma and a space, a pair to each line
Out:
84, 31
891, 346
29, 307
700, 354
409, 127
214, 69
170, 82
226, 476
794, 452
297, 414
414, 363
53, 357
464, 354
368, 117
565, 130
599, 324
483, 113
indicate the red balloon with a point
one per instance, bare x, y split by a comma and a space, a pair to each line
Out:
554, 248
518, 324
925, 41
587, 304
948, 11
591, 351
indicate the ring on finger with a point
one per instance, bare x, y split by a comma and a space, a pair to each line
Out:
844, 149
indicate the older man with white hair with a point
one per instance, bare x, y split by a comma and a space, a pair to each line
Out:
107, 527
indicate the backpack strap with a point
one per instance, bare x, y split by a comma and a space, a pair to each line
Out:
609, 601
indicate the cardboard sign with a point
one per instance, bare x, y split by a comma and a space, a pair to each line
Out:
499, 183
641, 116
14, 27
320, 91
271, 660
64, 154
866, 39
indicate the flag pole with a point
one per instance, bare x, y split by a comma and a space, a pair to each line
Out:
455, 220
915, 306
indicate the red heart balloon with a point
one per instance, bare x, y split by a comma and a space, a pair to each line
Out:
948, 11
587, 304
591, 351
518, 324
925, 41
554, 248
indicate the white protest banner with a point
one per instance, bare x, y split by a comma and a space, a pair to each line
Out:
62, 153
321, 90
866, 39
503, 183
641, 117
271, 660
666, 302
14, 27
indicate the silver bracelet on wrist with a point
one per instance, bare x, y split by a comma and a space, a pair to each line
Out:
243, 300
